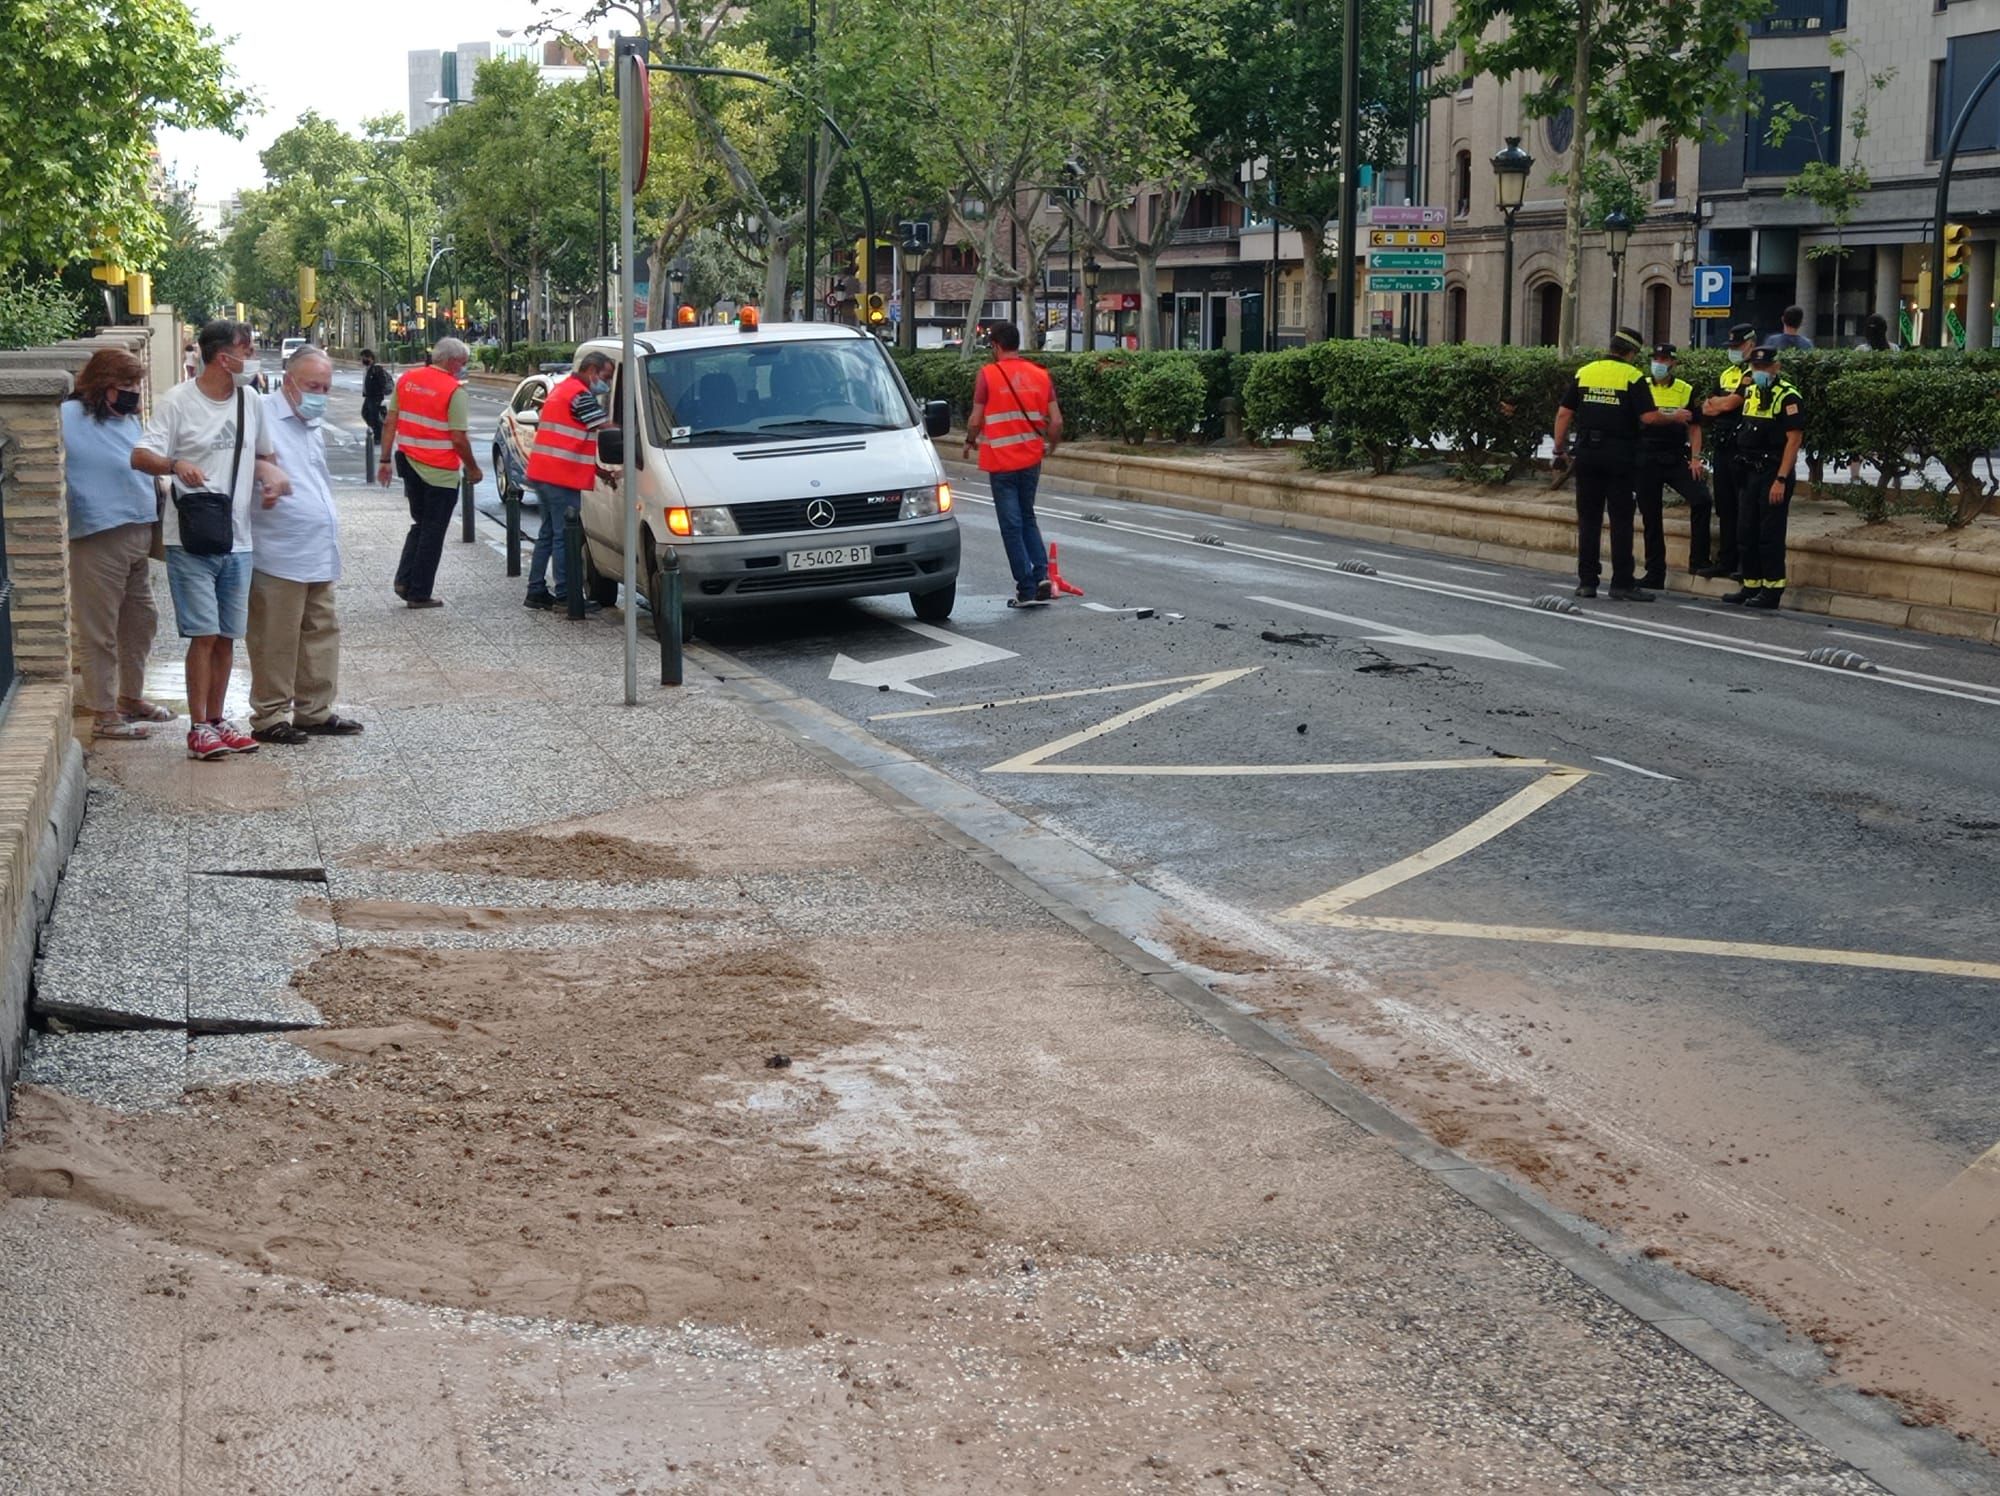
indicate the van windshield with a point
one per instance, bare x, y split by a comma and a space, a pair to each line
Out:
756, 390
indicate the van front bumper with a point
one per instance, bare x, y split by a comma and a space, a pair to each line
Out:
908, 556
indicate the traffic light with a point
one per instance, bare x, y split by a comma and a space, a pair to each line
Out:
111, 275
1957, 251
458, 311
308, 295
877, 309
139, 294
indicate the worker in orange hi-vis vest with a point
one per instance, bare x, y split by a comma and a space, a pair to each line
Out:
426, 431
562, 468
1015, 423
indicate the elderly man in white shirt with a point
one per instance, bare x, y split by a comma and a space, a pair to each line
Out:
294, 633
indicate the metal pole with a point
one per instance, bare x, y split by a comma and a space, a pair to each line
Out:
666, 605
572, 544
812, 169
1350, 177
1271, 171
1934, 318
1506, 288
631, 374
465, 509
512, 505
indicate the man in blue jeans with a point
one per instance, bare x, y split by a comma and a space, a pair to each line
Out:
562, 466
1015, 423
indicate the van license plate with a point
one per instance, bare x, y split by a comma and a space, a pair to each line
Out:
833, 555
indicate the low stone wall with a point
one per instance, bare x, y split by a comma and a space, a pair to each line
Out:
1933, 584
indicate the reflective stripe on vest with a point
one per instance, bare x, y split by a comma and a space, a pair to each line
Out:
1011, 439
423, 418
564, 454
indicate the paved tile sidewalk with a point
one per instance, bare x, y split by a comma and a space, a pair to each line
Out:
1189, 1275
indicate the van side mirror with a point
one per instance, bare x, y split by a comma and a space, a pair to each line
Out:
611, 446
937, 417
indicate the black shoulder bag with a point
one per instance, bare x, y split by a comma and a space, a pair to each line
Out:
208, 518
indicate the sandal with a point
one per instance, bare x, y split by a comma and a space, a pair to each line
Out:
138, 709
118, 727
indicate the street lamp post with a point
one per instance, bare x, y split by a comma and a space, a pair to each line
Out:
1091, 270
1511, 166
1617, 235
409, 233
911, 255
676, 284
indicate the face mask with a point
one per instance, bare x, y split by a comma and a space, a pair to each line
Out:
1763, 378
1660, 370
311, 405
600, 387
125, 402
1736, 355
247, 375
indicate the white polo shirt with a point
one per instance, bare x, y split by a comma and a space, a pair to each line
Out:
297, 538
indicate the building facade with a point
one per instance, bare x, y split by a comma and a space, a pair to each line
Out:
440, 77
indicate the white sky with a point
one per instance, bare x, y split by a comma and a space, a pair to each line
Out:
345, 58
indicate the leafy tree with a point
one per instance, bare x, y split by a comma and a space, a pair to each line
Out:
83, 88
35, 312
1626, 68
1833, 188
189, 275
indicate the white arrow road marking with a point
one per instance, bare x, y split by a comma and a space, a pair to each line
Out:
1477, 645
960, 653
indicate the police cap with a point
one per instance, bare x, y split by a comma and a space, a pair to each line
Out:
1664, 350
1742, 332
1628, 339
1763, 358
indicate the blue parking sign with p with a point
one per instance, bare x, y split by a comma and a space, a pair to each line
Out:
1712, 288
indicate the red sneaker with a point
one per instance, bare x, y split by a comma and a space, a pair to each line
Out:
203, 742
234, 739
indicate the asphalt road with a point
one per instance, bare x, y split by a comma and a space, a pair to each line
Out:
1603, 856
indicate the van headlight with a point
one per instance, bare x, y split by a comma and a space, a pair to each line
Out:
713, 520
921, 503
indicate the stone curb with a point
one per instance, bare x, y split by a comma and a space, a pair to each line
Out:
1929, 588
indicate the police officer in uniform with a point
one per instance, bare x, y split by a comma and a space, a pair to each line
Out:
1670, 457
1766, 457
1720, 415
1607, 406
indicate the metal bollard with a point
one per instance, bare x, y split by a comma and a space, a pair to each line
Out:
512, 504
666, 605
572, 540
368, 457
465, 509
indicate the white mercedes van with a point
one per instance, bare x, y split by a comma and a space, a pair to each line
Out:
782, 462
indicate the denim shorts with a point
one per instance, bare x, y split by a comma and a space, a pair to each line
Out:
211, 593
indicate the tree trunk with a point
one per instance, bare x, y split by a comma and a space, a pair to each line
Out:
534, 301
778, 278
1572, 270
1312, 238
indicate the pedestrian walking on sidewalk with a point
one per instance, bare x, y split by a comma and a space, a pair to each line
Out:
208, 435
294, 638
375, 391
426, 433
1015, 423
1721, 415
1607, 406
1670, 457
562, 466
1767, 456
112, 512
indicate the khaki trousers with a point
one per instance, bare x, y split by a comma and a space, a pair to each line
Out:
111, 603
294, 643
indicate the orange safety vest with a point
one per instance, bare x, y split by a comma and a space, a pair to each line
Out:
1017, 409
423, 418
565, 454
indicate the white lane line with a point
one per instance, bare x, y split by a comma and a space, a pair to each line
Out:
1777, 654
1877, 639
1619, 763
1477, 571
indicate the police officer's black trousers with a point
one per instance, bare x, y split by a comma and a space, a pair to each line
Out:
1760, 524
1602, 487
1650, 495
1727, 504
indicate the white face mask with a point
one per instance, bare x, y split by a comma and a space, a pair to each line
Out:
247, 375
1736, 355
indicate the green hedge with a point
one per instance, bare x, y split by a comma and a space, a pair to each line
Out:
1486, 411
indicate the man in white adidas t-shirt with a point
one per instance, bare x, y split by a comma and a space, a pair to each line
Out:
193, 439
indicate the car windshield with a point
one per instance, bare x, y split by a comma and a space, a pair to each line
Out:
769, 390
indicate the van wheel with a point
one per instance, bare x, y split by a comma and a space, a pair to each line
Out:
597, 587
935, 607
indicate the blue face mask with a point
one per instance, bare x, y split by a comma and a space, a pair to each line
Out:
1736, 355
311, 406
600, 387
1660, 370
1763, 378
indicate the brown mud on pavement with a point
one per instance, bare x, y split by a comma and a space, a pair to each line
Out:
586, 856
1824, 1220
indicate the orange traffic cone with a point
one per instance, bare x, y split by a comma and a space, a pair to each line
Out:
1056, 578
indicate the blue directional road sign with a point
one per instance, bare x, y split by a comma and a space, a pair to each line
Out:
1713, 290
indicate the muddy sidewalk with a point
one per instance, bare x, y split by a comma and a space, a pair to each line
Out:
541, 1094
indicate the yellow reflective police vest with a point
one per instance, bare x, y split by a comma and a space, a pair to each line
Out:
1605, 427
1721, 430
1667, 441
1762, 436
